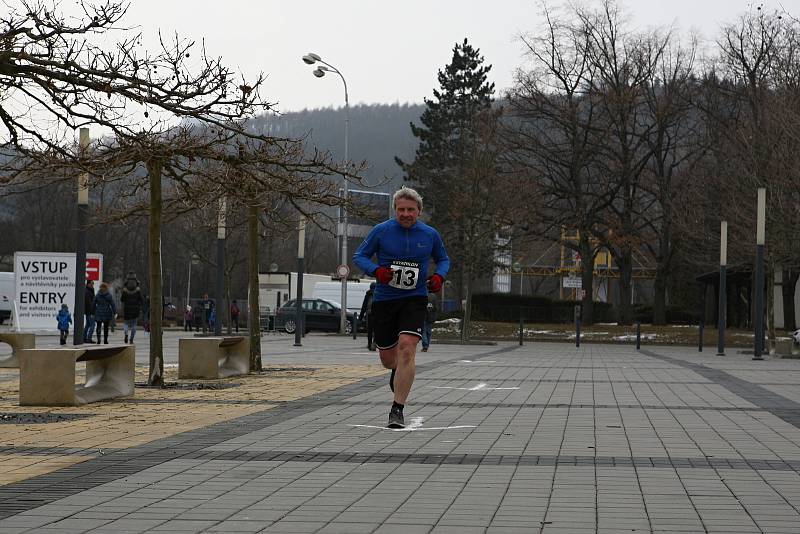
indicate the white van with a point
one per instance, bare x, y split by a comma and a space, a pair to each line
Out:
332, 291
6, 295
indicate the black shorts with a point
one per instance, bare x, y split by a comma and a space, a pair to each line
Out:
398, 316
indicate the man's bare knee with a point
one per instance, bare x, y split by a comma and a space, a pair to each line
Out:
389, 357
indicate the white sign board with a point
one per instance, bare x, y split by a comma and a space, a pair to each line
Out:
572, 282
43, 282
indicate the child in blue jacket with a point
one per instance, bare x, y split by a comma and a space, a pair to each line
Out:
64, 320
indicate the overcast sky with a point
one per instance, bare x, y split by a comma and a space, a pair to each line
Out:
388, 51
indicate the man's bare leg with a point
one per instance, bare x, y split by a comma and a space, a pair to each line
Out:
388, 357
406, 367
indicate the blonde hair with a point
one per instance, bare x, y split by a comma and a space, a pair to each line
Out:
407, 193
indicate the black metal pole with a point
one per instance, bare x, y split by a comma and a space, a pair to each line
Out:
577, 326
298, 315
80, 254
80, 275
520, 327
758, 344
355, 326
638, 335
723, 308
220, 289
700, 341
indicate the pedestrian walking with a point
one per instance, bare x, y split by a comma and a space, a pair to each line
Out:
235, 315
403, 247
64, 320
132, 303
366, 315
188, 317
207, 306
104, 311
88, 311
430, 318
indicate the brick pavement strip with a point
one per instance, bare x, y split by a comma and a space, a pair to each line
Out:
151, 415
597, 439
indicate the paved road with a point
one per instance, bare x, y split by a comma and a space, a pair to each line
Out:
543, 438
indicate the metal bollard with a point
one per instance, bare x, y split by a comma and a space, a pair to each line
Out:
520, 329
577, 326
355, 326
700, 341
638, 335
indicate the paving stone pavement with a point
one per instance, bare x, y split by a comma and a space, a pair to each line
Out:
543, 438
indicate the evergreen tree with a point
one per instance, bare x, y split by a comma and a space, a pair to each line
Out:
456, 167
445, 137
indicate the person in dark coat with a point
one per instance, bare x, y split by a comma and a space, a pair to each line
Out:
366, 315
430, 318
104, 311
88, 310
235, 315
188, 317
207, 306
132, 302
64, 320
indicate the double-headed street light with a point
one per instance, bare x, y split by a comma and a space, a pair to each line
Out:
319, 72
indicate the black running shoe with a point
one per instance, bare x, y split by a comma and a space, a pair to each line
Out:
391, 381
396, 419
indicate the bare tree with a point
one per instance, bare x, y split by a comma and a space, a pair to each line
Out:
551, 139
624, 63
674, 145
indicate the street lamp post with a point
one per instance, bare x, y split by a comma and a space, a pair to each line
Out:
761, 215
723, 300
220, 285
192, 260
80, 256
299, 326
319, 72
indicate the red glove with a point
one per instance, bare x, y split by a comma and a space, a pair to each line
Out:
383, 275
435, 283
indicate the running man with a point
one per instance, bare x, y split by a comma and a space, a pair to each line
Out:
403, 247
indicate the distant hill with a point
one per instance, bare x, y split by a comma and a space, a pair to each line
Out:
378, 133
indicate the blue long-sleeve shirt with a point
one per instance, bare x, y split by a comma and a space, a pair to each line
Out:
407, 252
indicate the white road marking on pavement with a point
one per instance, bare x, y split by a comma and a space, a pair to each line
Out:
479, 387
477, 361
414, 426
416, 422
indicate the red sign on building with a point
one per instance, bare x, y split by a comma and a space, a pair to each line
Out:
93, 269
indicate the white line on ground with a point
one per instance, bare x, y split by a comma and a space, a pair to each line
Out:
479, 387
414, 426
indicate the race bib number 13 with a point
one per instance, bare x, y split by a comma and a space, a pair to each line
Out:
404, 274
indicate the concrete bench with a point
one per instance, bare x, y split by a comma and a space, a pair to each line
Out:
47, 376
784, 347
213, 357
17, 342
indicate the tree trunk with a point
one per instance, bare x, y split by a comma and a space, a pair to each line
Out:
625, 262
662, 274
468, 307
228, 317
156, 374
789, 283
253, 319
771, 305
660, 297
587, 279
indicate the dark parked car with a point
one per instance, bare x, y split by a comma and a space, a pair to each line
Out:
319, 314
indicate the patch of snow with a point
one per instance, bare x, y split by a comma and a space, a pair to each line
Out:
632, 337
